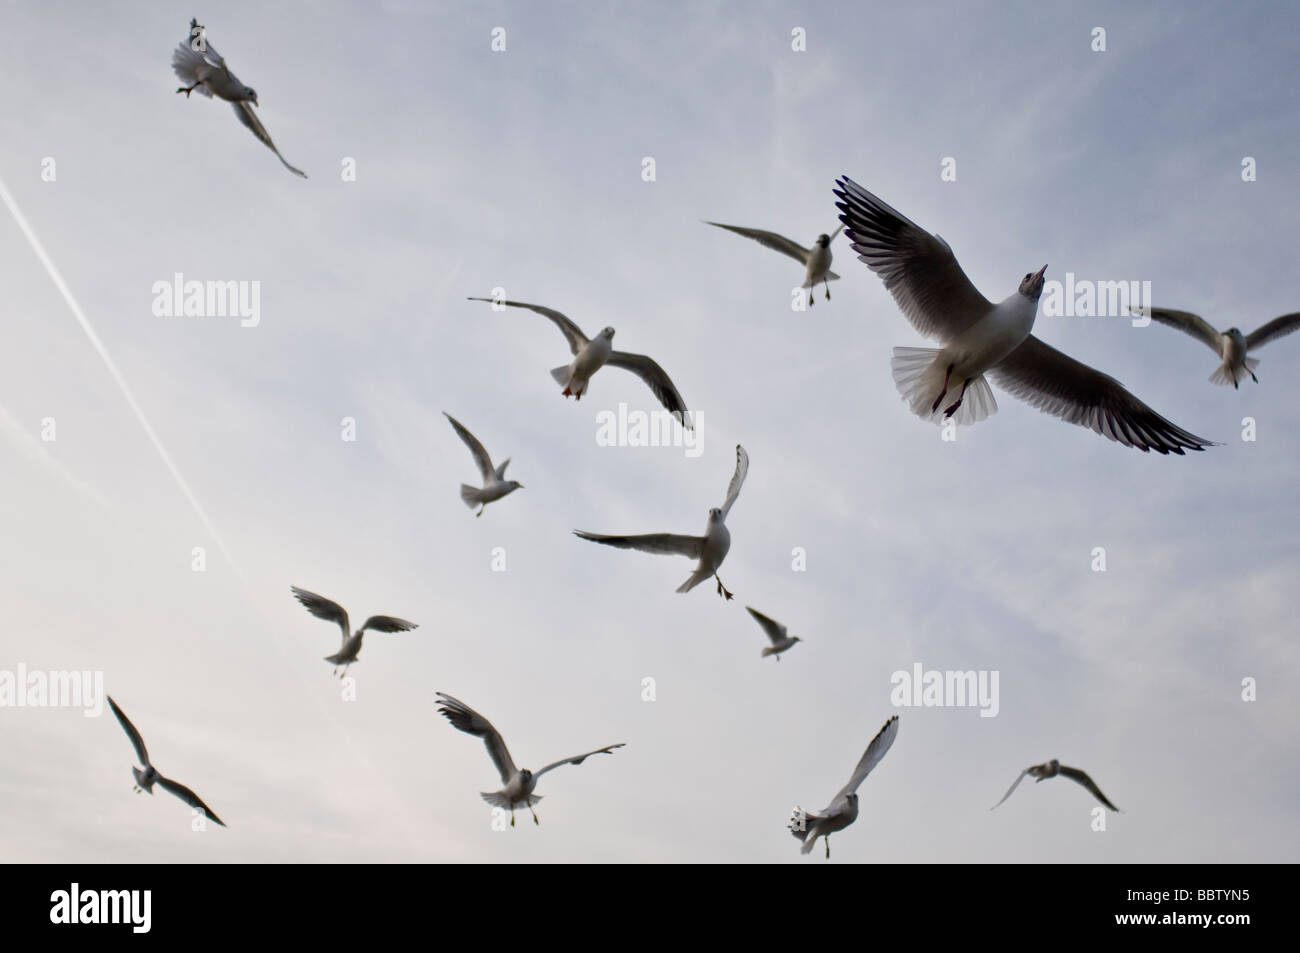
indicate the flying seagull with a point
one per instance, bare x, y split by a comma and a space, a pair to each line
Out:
519, 782
197, 63
843, 809
495, 484
146, 779
331, 611
816, 260
775, 632
591, 354
1050, 770
710, 549
979, 337
1232, 346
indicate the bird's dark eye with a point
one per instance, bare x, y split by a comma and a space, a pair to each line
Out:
1027, 277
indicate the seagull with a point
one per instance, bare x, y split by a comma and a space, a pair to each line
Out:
197, 63
495, 484
843, 809
146, 779
591, 354
980, 337
710, 549
1232, 346
1050, 770
331, 611
816, 260
519, 782
775, 632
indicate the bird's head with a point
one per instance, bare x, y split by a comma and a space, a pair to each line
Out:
607, 334
250, 94
823, 240
1236, 335
516, 485
526, 775
1054, 766
795, 638
715, 515
1032, 285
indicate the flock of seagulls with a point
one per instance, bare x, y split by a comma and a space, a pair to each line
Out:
982, 342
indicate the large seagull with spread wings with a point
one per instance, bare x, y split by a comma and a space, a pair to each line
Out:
980, 337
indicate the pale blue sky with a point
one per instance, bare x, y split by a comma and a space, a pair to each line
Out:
522, 170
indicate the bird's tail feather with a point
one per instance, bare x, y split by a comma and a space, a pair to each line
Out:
801, 825
1234, 375
696, 578
919, 378
470, 495
497, 799
561, 374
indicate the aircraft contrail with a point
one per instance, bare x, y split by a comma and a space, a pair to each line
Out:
80, 315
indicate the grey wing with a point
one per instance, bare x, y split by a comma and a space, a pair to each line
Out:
466, 719
192, 65
1278, 327
572, 333
1015, 784
501, 470
769, 240
918, 269
323, 608
737, 479
481, 458
775, 631
656, 378
1059, 385
609, 749
1074, 774
388, 623
836, 234
1186, 322
871, 757
136, 741
665, 544
244, 110
189, 797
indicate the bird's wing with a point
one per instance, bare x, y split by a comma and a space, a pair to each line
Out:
501, 470
244, 110
481, 458
323, 608
388, 623
1014, 785
770, 240
191, 64
1186, 322
572, 333
836, 234
140, 751
1074, 774
871, 757
189, 797
656, 378
665, 544
737, 479
918, 269
1278, 327
577, 760
471, 722
775, 631
1059, 385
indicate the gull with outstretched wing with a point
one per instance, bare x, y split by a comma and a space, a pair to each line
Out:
331, 611
816, 260
1050, 769
710, 549
776, 634
495, 484
196, 62
146, 779
843, 809
981, 338
518, 782
1232, 347
591, 354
